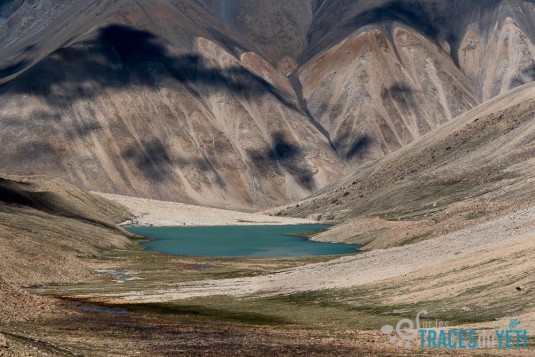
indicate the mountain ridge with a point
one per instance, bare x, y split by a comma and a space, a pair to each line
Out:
244, 109
476, 168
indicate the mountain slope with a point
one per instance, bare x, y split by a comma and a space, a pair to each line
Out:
276, 30
153, 114
46, 224
475, 168
49, 232
381, 88
240, 104
490, 41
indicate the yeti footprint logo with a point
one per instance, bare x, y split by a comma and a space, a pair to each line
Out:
405, 330
514, 324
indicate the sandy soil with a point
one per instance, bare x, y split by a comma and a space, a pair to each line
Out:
149, 212
369, 267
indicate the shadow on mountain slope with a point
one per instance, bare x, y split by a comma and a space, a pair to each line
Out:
154, 160
438, 20
354, 146
526, 75
69, 203
402, 94
285, 153
122, 56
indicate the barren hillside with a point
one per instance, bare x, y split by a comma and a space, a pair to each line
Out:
473, 169
49, 232
240, 104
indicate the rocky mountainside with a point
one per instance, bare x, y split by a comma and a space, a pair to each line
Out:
49, 233
242, 104
46, 225
471, 170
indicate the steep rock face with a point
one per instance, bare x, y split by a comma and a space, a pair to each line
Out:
126, 110
375, 75
277, 30
500, 57
34, 29
490, 41
381, 88
242, 104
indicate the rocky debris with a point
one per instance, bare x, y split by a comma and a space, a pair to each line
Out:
17, 305
149, 212
3, 341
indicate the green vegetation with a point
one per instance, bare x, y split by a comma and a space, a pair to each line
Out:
138, 269
343, 309
337, 310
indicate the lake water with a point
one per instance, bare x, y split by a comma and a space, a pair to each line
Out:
238, 241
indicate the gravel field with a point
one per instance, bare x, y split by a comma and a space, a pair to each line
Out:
149, 212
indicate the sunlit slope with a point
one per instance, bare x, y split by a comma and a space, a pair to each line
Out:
474, 168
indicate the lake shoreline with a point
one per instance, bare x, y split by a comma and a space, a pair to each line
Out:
267, 241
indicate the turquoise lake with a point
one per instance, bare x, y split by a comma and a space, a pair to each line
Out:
238, 241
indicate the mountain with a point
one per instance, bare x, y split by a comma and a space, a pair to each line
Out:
475, 168
47, 224
170, 113
378, 74
491, 42
50, 232
242, 104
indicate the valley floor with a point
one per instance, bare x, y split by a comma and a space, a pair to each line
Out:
478, 277
497, 255
513, 234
